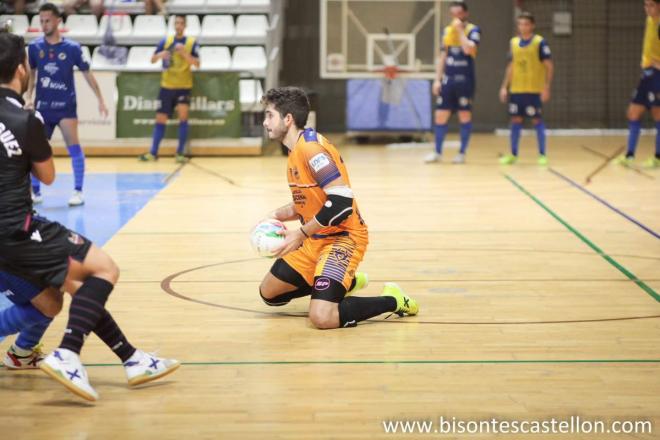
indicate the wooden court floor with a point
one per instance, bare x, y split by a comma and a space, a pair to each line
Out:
539, 296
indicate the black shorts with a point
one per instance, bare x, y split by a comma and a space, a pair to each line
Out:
42, 252
168, 99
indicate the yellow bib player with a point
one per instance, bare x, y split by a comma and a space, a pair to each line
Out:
527, 83
647, 94
320, 258
455, 80
178, 54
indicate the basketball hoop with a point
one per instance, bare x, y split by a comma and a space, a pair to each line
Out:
391, 72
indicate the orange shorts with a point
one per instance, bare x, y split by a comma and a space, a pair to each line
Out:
335, 257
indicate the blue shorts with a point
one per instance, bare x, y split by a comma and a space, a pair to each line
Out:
168, 99
525, 105
455, 95
17, 289
648, 89
53, 117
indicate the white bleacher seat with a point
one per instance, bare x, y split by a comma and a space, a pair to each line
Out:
219, 4
250, 93
214, 58
19, 23
251, 26
184, 6
148, 28
81, 26
139, 58
35, 24
260, 3
193, 28
127, 6
99, 62
254, 6
249, 59
121, 26
217, 29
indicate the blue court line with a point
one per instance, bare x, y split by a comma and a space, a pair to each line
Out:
111, 201
606, 203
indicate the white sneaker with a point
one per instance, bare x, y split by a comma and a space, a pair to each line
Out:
37, 198
144, 367
65, 367
432, 157
459, 158
76, 199
18, 359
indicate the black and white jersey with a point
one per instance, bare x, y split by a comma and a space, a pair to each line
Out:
22, 142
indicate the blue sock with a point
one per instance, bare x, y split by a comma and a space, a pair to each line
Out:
516, 128
540, 137
440, 132
78, 165
36, 184
183, 136
634, 127
466, 130
159, 132
657, 140
17, 318
29, 337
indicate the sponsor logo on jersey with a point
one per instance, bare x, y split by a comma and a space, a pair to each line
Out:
75, 239
51, 68
42, 54
8, 140
319, 161
47, 83
61, 56
322, 284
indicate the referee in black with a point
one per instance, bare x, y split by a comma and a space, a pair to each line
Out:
46, 253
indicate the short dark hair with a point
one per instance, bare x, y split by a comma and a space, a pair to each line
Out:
287, 100
529, 16
52, 8
184, 16
12, 55
463, 5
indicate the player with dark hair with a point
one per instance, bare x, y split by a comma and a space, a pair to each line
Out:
53, 59
178, 54
321, 257
455, 80
527, 84
45, 255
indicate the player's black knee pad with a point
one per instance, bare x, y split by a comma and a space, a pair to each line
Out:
283, 272
328, 289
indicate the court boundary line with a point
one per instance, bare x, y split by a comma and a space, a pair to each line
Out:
631, 276
409, 362
605, 202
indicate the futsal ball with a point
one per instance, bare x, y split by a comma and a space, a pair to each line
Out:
265, 238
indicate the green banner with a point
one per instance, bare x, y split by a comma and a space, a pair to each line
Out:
215, 109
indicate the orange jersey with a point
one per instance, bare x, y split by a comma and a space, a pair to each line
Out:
314, 163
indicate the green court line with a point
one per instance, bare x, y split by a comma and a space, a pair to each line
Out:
415, 362
631, 276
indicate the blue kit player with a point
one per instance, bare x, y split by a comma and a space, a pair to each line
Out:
455, 80
52, 60
30, 314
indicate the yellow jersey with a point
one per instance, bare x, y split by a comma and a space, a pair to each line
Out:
177, 74
651, 47
314, 163
527, 68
